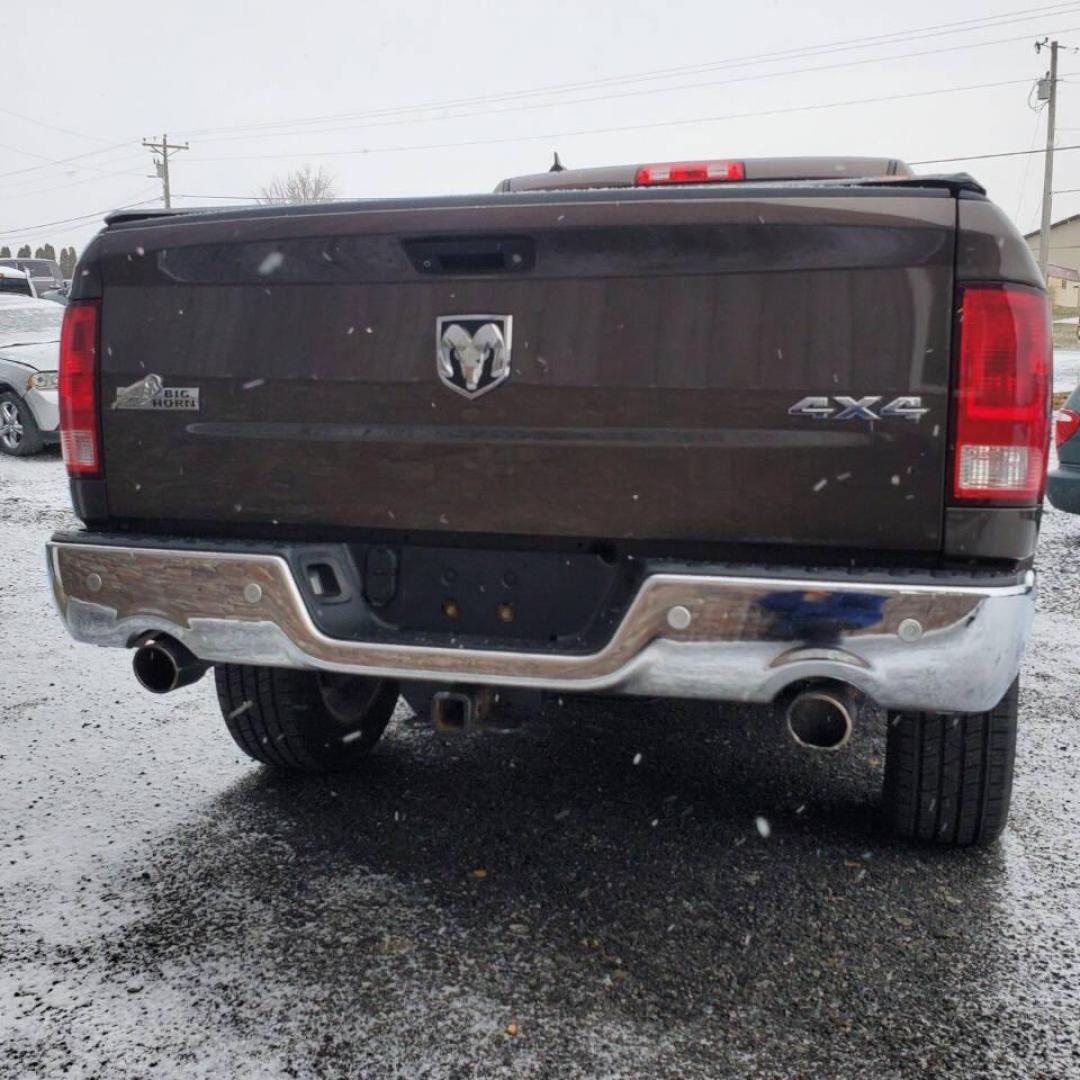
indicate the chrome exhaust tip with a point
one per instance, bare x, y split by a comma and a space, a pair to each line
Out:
821, 718
162, 664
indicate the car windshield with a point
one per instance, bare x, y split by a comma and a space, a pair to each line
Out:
30, 324
38, 268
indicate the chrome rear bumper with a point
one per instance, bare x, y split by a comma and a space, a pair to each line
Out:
938, 647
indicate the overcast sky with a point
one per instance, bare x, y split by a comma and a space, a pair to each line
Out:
259, 87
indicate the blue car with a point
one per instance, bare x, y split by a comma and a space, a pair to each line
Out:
1063, 483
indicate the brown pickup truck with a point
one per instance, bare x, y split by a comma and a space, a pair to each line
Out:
763, 431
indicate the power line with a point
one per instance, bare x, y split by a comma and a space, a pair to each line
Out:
1027, 170
874, 41
60, 161
651, 91
986, 157
895, 37
930, 161
758, 113
29, 185
963, 26
77, 181
8, 233
256, 199
351, 198
51, 127
630, 93
80, 181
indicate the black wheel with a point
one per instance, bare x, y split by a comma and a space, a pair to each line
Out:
948, 778
304, 720
19, 435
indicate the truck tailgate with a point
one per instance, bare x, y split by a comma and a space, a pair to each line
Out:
659, 341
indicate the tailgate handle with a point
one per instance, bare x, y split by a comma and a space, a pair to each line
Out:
467, 255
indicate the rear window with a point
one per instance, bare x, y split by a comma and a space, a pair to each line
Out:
40, 268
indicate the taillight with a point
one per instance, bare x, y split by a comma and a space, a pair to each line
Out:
690, 172
79, 420
1002, 427
1066, 424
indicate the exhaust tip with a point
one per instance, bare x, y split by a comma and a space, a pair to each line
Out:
155, 669
821, 719
161, 665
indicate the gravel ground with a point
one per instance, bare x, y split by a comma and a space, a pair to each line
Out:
652, 890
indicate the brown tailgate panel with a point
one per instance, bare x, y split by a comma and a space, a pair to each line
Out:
654, 362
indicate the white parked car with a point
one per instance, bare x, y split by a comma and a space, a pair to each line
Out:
45, 274
29, 359
16, 282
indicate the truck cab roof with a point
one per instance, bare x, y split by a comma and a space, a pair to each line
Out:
726, 170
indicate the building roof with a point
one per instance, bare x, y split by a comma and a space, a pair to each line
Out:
1066, 273
1055, 225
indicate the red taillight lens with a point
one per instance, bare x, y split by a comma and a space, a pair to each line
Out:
1002, 395
79, 422
1066, 424
690, 172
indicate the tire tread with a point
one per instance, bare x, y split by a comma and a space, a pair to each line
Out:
948, 777
277, 716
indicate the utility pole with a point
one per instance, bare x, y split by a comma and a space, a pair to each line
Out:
164, 148
1048, 93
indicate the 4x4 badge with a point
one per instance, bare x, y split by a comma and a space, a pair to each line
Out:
472, 352
849, 408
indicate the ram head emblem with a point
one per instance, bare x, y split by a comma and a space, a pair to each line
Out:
473, 352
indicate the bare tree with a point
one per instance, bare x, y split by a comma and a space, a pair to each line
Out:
306, 185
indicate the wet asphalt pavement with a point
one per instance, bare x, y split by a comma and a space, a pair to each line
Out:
652, 890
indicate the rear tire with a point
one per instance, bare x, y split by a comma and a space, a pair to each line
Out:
948, 778
304, 720
19, 434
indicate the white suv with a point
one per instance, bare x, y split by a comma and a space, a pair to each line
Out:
29, 363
